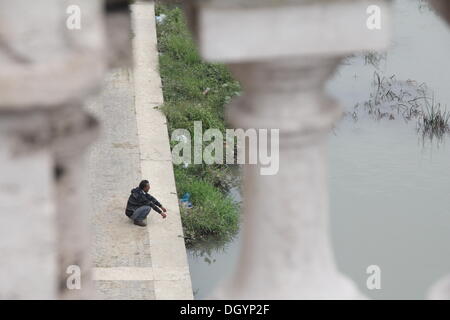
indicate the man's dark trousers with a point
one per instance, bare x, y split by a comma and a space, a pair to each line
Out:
141, 213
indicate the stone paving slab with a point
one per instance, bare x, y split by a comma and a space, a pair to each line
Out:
129, 290
114, 169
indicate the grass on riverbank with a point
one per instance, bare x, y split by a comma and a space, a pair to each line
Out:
196, 91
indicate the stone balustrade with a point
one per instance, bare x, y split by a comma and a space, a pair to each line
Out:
47, 71
283, 52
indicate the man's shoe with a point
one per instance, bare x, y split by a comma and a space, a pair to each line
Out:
140, 223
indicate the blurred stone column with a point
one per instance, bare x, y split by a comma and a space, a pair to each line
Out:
441, 289
47, 70
283, 53
27, 213
75, 130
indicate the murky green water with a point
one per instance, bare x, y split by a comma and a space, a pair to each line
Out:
389, 188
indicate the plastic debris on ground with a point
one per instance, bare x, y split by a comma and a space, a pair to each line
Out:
161, 18
185, 200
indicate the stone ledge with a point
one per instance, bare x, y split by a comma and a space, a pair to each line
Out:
317, 28
168, 252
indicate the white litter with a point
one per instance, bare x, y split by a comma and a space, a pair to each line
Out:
161, 18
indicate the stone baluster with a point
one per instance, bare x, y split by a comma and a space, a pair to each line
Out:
441, 289
27, 213
47, 70
283, 53
286, 250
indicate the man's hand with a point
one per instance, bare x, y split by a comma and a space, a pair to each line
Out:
163, 209
163, 215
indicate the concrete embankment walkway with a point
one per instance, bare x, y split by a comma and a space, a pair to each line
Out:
132, 262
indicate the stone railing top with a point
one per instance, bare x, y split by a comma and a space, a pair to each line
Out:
228, 33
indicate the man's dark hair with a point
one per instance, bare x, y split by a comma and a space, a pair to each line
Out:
143, 184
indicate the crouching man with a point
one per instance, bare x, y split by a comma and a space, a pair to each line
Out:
140, 203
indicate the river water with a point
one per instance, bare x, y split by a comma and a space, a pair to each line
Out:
389, 187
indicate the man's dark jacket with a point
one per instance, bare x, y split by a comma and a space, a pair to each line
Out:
139, 198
